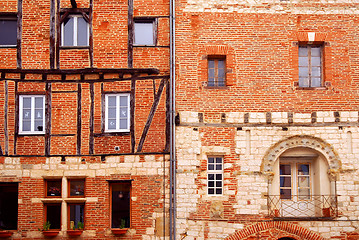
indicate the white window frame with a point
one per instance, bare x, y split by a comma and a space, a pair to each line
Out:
153, 22
75, 44
32, 131
215, 171
117, 129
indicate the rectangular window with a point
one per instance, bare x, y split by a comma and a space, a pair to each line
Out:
8, 31
310, 66
215, 175
53, 215
8, 206
53, 188
285, 177
120, 205
216, 72
76, 216
75, 32
117, 113
32, 114
76, 187
145, 32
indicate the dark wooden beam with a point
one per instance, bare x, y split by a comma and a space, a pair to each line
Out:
130, 34
79, 118
132, 115
131, 71
19, 33
6, 132
58, 34
16, 115
92, 113
73, 4
156, 100
102, 109
48, 106
52, 33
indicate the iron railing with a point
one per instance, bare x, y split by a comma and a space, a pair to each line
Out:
303, 206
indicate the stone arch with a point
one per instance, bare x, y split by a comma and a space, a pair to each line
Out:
305, 141
292, 230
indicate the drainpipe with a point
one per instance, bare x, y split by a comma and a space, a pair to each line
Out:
172, 210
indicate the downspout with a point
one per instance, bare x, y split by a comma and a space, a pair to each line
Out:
172, 210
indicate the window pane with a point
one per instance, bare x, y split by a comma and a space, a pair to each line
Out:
316, 82
303, 82
123, 101
285, 193
218, 160
82, 29
315, 51
285, 169
77, 188
303, 181
220, 81
218, 167
143, 33
211, 64
26, 114
316, 61
111, 101
112, 113
210, 82
303, 51
26, 102
8, 206
221, 64
316, 71
39, 102
210, 176
221, 73
68, 32
211, 73
303, 169
111, 124
8, 30
303, 61
53, 215
120, 207
123, 124
211, 160
123, 112
210, 183
219, 184
26, 126
218, 176
210, 191
303, 72
53, 188
304, 193
211, 167
76, 216
39, 126
219, 191
285, 181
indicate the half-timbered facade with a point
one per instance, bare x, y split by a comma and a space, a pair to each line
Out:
85, 119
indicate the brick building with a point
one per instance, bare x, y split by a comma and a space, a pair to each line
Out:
84, 118
267, 126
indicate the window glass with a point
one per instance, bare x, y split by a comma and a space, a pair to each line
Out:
68, 32
32, 114
144, 33
8, 206
75, 31
82, 32
215, 175
53, 188
310, 66
77, 187
216, 72
8, 30
76, 216
120, 205
117, 112
53, 215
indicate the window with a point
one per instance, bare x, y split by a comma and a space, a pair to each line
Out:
120, 205
8, 206
32, 112
75, 31
76, 188
216, 72
8, 30
53, 215
310, 66
295, 179
53, 188
117, 113
144, 33
76, 218
215, 175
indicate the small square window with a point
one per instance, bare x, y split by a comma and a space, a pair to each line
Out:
216, 72
75, 32
76, 187
53, 215
32, 114
144, 32
8, 206
8, 30
215, 175
76, 219
310, 66
53, 188
120, 205
117, 113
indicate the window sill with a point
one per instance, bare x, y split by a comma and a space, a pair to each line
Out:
312, 88
112, 134
25, 134
75, 200
74, 47
8, 46
216, 87
52, 200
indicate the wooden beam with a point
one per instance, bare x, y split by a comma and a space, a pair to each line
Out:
58, 34
73, 4
48, 106
16, 115
102, 109
132, 115
79, 118
156, 100
52, 33
131, 71
6, 131
19, 33
130, 34
92, 113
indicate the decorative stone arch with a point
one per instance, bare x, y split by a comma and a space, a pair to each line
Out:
305, 141
284, 229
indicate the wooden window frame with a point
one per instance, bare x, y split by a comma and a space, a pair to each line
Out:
310, 180
110, 193
32, 109
310, 65
118, 129
9, 17
46, 186
69, 187
291, 181
216, 83
45, 211
69, 215
150, 20
215, 172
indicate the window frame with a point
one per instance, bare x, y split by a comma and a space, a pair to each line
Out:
10, 17
32, 120
130, 201
75, 32
142, 20
69, 187
69, 215
46, 186
117, 129
216, 59
215, 172
310, 65
46, 205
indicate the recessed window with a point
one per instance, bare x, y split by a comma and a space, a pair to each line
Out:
8, 30
117, 113
53, 215
215, 175
120, 205
310, 66
76, 212
53, 188
75, 31
32, 114
144, 32
76, 187
216, 72
8, 206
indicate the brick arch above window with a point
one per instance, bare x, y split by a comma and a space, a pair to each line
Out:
281, 229
306, 141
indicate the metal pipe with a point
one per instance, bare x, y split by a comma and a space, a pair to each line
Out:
172, 210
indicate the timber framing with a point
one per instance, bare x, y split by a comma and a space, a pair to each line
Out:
89, 77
